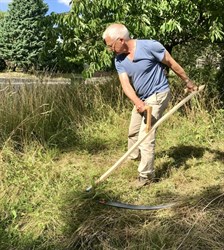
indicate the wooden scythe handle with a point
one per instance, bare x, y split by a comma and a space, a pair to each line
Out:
148, 110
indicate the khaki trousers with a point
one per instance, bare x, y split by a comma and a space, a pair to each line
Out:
146, 149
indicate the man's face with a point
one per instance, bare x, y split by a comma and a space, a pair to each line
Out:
118, 46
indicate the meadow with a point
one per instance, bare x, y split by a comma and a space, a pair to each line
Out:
57, 139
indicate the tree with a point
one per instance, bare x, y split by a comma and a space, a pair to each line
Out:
55, 56
2, 62
22, 33
48, 58
1, 15
171, 21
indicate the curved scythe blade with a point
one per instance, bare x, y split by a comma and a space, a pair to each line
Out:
135, 207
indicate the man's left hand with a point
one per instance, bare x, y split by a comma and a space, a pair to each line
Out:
190, 86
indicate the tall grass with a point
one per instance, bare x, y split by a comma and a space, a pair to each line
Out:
54, 114
56, 139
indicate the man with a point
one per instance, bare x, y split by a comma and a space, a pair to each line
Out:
140, 66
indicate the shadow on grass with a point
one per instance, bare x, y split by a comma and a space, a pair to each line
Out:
181, 154
94, 145
95, 226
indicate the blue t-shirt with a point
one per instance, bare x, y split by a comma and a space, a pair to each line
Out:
146, 70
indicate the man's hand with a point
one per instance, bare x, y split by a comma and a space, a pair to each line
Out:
190, 86
140, 106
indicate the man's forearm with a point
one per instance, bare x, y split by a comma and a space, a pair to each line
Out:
178, 70
130, 92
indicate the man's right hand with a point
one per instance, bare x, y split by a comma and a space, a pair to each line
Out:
140, 106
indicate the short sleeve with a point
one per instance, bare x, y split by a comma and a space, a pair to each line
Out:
157, 50
119, 67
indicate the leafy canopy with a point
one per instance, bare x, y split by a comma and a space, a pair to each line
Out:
170, 21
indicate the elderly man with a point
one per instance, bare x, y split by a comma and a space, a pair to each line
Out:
140, 66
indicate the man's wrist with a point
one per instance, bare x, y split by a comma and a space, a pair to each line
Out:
187, 80
189, 83
140, 106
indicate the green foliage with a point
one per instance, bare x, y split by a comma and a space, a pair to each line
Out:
203, 63
22, 33
172, 22
49, 58
1, 15
54, 55
2, 62
61, 58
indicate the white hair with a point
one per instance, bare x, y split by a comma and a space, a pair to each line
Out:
116, 30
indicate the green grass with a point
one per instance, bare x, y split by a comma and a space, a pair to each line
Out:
80, 136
